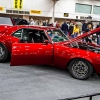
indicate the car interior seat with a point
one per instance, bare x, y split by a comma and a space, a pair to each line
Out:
37, 38
29, 37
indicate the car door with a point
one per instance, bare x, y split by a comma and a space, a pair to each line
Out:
32, 54
14, 38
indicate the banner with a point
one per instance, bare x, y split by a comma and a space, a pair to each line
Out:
1, 8
18, 4
35, 12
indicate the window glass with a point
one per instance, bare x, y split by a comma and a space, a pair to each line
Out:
96, 10
18, 33
57, 35
31, 35
5, 20
34, 36
83, 8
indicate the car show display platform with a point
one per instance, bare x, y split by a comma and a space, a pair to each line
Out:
42, 83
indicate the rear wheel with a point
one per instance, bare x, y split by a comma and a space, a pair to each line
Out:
80, 69
3, 53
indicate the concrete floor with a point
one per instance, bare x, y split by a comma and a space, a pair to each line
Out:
42, 83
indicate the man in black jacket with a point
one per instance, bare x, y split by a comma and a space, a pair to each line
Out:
64, 28
98, 35
84, 26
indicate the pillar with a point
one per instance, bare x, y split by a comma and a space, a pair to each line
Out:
26, 17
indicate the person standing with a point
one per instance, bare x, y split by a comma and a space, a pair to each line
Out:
71, 27
36, 22
40, 23
46, 23
64, 28
31, 22
98, 35
75, 31
84, 26
89, 38
80, 26
90, 22
56, 24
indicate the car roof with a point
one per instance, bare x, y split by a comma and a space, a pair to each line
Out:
12, 29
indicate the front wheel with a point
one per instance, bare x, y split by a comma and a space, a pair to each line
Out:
80, 69
3, 53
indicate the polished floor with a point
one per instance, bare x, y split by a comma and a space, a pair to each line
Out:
42, 83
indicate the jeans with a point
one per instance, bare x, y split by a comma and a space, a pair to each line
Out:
74, 35
98, 39
66, 33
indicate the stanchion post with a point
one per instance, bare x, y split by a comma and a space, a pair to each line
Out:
90, 98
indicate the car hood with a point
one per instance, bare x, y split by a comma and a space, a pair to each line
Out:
83, 36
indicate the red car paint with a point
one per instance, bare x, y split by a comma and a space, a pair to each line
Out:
57, 54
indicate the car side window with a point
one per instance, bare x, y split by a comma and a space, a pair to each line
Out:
18, 33
34, 36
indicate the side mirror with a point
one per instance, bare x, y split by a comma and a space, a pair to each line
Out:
46, 41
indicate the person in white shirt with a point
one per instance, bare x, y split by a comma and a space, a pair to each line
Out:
32, 22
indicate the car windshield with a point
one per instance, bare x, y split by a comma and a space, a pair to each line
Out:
6, 20
57, 35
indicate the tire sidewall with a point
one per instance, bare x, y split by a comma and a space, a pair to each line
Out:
5, 56
90, 69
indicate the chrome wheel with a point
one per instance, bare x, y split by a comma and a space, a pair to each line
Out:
2, 52
80, 69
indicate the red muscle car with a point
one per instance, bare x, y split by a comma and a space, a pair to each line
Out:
39, 45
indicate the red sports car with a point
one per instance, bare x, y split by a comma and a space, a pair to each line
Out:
37, 45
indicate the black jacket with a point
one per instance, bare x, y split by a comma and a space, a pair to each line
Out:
98, 33
64, 27
71, 29
84, 26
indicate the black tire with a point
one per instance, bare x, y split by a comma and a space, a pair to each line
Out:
3, 53
98, 75
80, 69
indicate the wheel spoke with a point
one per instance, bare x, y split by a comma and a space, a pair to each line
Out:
80, 69
1, 51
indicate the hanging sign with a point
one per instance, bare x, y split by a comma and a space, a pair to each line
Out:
18, 4
1, 8
66, 14
35, 12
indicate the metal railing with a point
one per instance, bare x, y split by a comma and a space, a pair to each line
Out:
83, 96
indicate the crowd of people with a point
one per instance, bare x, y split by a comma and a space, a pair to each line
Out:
71, 28
77, 28
39, 22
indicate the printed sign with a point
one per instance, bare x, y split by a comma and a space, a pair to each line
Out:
66, 14
18, 4
35, 12
1, 8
